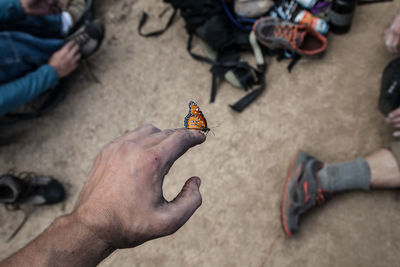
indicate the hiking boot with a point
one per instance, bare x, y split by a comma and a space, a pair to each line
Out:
89, 37
278, 34
30, 189
252, 8
79, 11
302, 191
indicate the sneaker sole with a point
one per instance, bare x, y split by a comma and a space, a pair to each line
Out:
296, 161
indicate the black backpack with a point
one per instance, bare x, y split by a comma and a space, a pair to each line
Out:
209, 20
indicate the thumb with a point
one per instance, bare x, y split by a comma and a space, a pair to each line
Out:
185, 203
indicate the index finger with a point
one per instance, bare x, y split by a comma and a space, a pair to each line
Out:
176, 144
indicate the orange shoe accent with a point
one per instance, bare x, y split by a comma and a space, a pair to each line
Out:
307, 196
285, 191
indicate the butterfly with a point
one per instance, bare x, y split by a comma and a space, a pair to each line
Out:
195, 119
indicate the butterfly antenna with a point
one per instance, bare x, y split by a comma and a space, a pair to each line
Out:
211, 132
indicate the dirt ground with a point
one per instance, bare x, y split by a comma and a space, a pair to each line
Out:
327, 107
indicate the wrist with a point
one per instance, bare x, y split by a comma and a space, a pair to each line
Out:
55, 69
85, 243
72, 220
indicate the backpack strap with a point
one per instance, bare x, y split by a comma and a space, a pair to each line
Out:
143, 21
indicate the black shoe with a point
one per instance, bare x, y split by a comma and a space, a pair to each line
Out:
89, 37
30, 189
389, 98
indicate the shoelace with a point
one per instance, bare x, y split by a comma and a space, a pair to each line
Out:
81, 38
287, 32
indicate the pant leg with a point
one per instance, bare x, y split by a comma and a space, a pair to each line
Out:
41, 26
21, 53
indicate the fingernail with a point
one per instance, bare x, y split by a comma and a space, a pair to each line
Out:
396, 134
198, 182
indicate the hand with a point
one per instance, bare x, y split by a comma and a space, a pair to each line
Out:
65, 60
122, 201
393, 119
40, 7
392, 35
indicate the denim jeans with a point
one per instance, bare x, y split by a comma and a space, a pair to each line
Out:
28, 44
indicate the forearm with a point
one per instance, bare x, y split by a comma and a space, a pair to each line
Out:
66, 242
16, 93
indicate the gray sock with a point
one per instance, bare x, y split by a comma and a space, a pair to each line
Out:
346, 176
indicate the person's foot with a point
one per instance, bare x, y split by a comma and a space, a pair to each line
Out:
302, 191
30, 189
252, 8
88, 37
79, 11
279, 34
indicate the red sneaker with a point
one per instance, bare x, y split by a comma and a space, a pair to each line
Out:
279, 34
302, 191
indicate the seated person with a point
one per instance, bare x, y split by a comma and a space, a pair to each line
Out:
310, 182
37, 49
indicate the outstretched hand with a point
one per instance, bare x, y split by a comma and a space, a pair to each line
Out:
122, 202
41, 7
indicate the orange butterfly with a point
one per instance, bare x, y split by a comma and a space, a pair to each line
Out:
195, 119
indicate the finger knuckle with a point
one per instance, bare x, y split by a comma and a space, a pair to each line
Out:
169, 132
152, 159
148, 126
184, 135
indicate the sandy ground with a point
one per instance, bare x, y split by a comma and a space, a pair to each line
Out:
327, 107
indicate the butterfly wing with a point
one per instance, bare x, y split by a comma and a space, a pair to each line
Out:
195, 123
195, 110
195, 119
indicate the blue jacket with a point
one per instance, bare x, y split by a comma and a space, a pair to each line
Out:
17, 92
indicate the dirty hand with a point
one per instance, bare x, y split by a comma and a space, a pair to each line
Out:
122, 202
393, 119
392, 35
65, 60
40, 7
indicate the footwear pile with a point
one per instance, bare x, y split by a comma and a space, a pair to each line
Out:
285, 28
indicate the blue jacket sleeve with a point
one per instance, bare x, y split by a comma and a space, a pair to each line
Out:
20, 91
11, 10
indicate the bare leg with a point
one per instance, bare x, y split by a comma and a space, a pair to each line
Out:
385, 171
